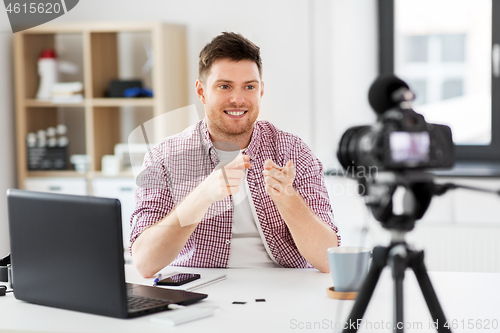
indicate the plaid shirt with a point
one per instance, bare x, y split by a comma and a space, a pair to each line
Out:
179, 163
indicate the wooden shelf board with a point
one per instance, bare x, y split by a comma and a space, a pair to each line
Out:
73, 173
81, 27
95, 102
123, 101
45, 104
56, 173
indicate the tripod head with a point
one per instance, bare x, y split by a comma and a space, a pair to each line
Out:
418, 187
379, 189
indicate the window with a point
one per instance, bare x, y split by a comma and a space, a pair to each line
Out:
443, 50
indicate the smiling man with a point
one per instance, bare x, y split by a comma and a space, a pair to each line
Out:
232, 191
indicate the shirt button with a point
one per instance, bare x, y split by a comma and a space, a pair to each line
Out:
228, 241
228, 206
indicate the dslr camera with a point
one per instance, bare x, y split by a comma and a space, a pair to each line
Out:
401, 139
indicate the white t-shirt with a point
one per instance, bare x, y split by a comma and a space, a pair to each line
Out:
247, 244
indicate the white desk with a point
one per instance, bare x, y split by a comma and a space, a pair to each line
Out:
296, 301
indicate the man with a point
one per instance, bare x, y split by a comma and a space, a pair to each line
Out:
231, 191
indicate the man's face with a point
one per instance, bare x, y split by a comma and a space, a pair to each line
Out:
231, 93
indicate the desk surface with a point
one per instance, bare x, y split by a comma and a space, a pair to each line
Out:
296, 301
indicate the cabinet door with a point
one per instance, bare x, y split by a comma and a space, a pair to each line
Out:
77, 186
122, 189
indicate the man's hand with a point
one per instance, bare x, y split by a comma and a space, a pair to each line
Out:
158, 245
279, 180
226, 180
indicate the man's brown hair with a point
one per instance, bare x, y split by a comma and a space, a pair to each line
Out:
228, 45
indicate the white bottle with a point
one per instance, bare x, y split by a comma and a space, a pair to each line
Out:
47, 69
61, 129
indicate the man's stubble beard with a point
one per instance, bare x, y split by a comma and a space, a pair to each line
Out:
230, 131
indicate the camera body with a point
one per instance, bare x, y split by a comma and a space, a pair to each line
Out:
401, 139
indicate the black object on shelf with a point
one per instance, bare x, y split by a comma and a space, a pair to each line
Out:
47, 158
116, 88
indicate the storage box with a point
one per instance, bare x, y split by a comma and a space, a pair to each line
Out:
48, 158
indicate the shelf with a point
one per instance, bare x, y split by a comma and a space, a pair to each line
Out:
122, 101
79, 27
45, 104
73, 173
95, 102
55, 173
97, 124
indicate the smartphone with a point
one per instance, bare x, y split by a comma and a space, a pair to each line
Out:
179, 279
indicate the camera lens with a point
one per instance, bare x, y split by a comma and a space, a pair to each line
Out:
348, 152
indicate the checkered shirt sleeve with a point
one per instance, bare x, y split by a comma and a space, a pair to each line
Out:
153, 196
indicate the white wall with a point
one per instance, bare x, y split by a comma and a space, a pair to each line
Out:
354, 66
7, 132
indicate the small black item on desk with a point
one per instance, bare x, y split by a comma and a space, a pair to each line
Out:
4, 269
5, 261
179, 279
3, 290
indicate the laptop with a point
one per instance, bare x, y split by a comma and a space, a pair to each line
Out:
67, 252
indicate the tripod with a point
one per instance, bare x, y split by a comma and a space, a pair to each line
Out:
398, 256
378, 192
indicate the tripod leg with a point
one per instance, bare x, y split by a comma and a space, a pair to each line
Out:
364, 295
418, 266
398, 305
398, 266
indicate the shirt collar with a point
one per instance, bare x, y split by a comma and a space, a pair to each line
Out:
254, 144
250, 150
205, 135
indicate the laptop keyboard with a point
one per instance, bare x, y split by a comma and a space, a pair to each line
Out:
137, 303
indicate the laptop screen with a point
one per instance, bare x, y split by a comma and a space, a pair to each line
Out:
67, 251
